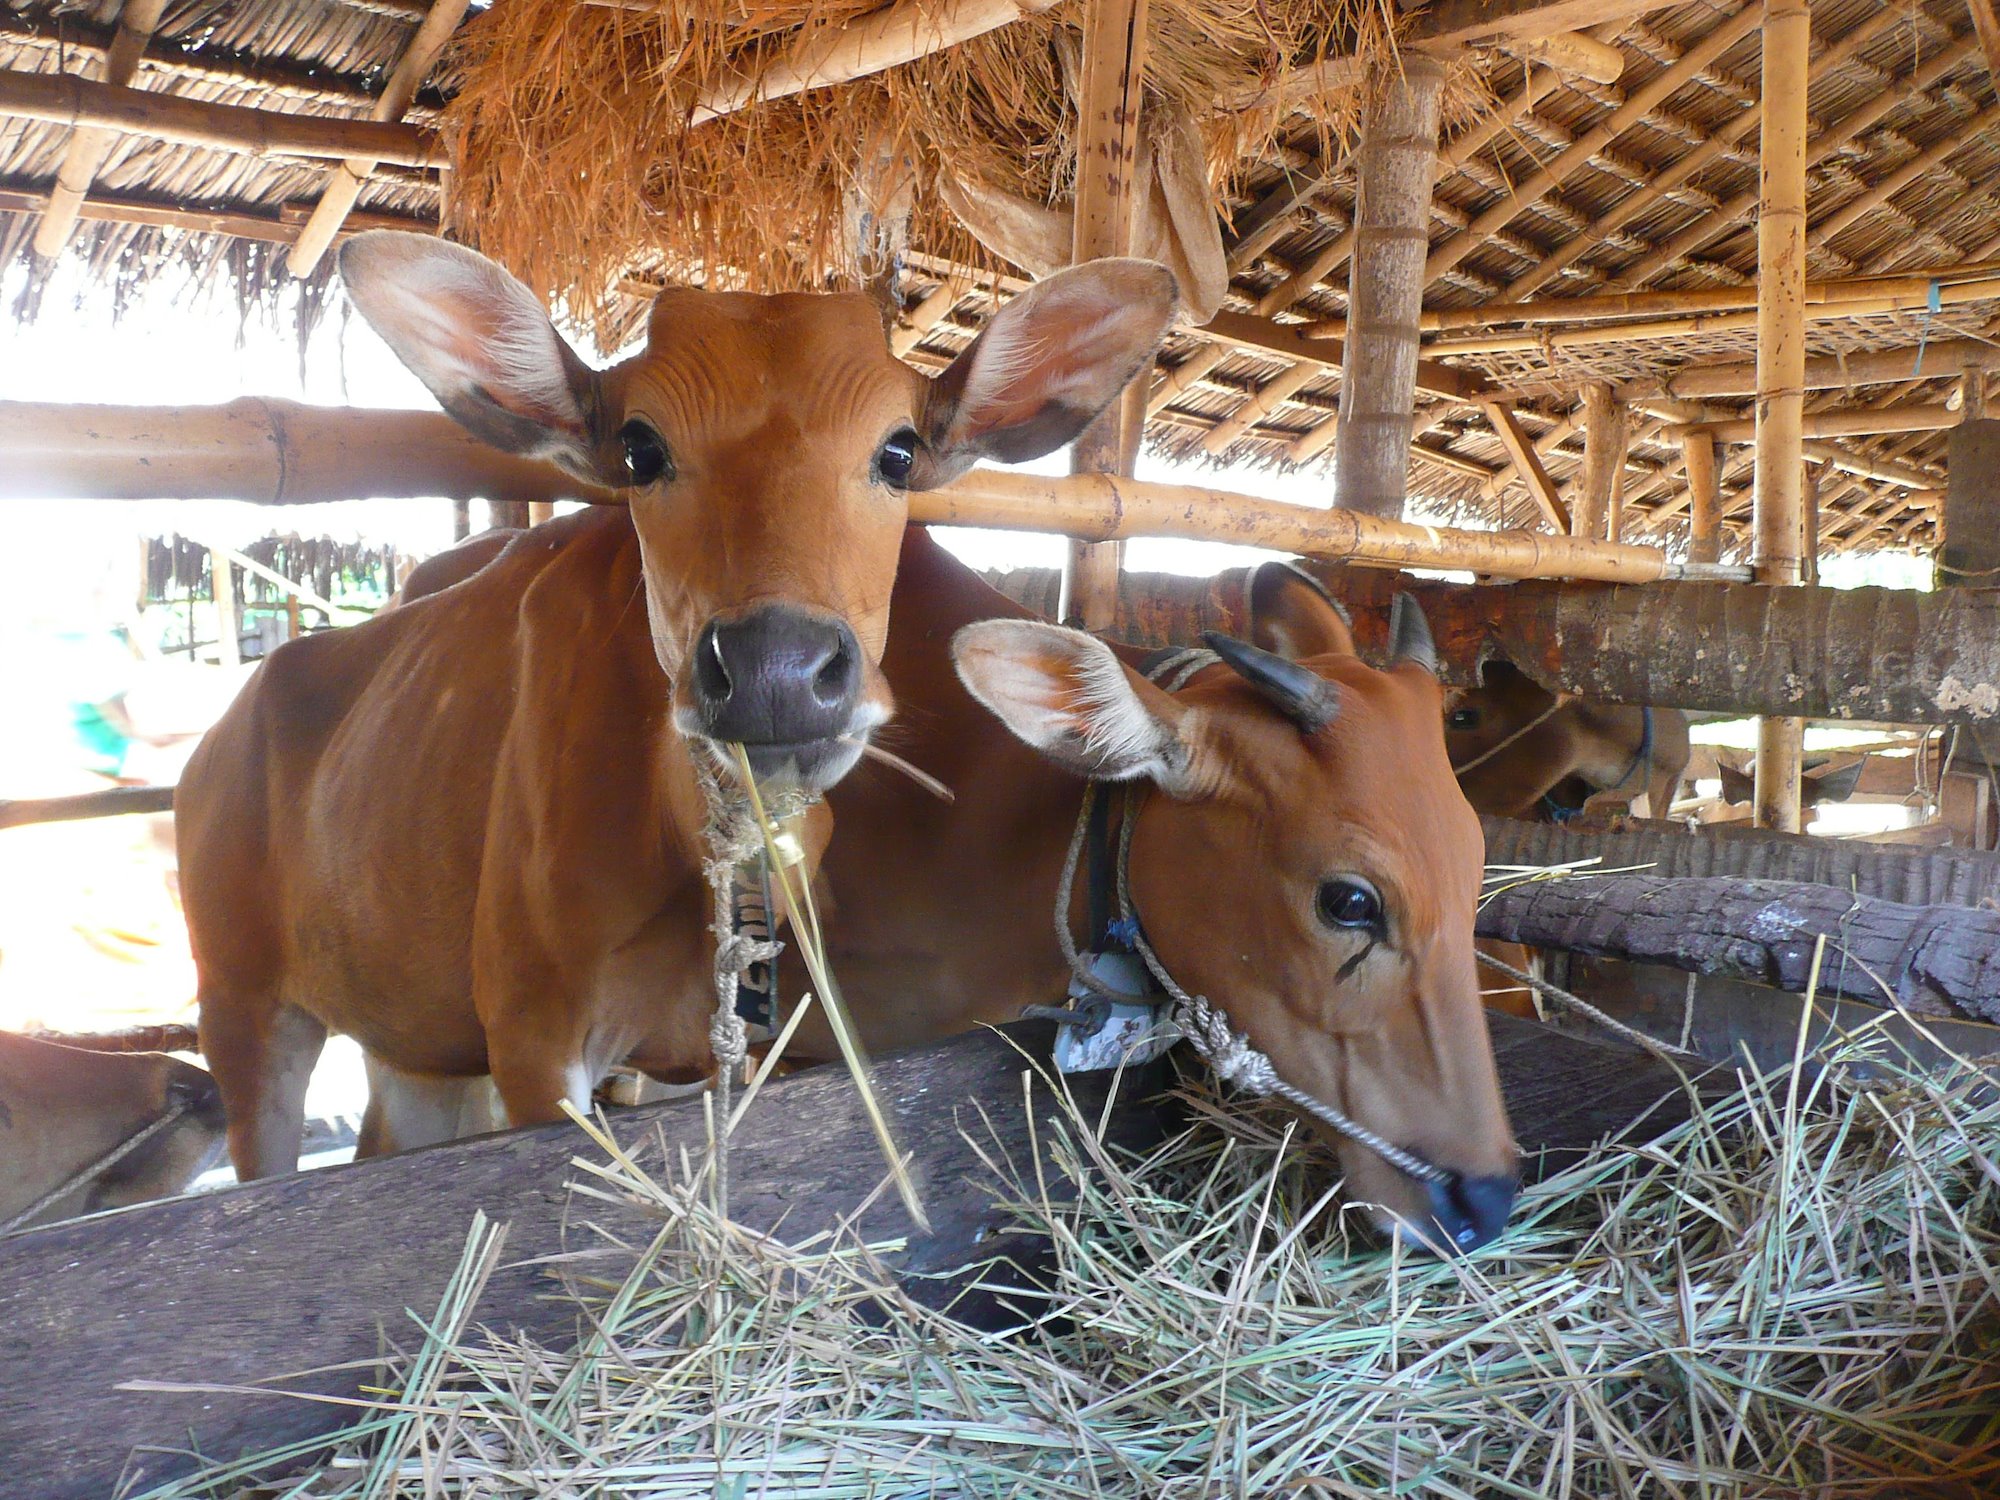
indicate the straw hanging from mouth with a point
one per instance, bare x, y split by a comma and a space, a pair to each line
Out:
812, 948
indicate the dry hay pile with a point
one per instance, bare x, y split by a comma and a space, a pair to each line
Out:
578, 158
1797, 1294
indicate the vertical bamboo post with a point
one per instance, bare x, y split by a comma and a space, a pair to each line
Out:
1114, 67
461, 520
1779, 503
509, 513
1704, 495
540, 511
1397, 169
1603, 459
228, 633
90, 145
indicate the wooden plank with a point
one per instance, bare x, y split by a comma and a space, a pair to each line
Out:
303, 1272
1528, 464
65, 99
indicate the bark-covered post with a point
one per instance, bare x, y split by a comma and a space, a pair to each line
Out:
1969, 544
1603, 458
1397, 167
510, 513
1704, 495
1107, 154
1779, 504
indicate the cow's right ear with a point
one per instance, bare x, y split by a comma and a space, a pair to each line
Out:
482, 343
1044, 367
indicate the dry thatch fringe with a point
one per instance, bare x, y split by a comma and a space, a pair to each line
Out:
576, 165
1796, 1294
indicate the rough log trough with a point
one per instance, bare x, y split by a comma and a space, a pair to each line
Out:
305, 1272
1932, 960
1891, 656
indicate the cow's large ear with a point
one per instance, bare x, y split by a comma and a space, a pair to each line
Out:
1044, 367
481, 341
1292, 615
1069, 697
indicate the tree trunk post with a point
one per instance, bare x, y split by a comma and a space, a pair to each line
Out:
1397, 166
1114, 67
1779, 504
1603, 458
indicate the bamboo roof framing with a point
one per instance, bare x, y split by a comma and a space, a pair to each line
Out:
1593, 227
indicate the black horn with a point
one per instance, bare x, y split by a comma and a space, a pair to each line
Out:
1302, 696
1410, 635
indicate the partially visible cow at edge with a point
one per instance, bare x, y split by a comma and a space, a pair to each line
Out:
469, 831
1301, 856
65, 1110
1522, 752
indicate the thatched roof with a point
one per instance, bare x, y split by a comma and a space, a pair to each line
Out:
579, 158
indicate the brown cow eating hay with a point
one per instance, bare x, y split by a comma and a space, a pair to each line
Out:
470, 832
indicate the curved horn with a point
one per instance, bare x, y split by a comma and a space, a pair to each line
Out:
1410, 635
1304, 697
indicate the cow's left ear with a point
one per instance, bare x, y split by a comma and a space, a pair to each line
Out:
1292, 615
1044, 367
1068, 696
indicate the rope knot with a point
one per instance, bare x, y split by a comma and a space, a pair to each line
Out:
1227, 1051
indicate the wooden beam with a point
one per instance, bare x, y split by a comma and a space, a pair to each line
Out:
1527, 464
1704, 497
108, 109
1397, 166
1575, 53
871, 43
1603, 458
343, 187
1826, 372
242, 221
1110, 97
1928, 417
1248, 331
87, 149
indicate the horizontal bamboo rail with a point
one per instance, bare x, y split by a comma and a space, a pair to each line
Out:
273, 452
1823, 373
1830, 424
64, 99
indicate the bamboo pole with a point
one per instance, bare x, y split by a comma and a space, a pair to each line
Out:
87, 149
1826, 372
1576, 53
1778, 499
248, 222
872, 43
343, 187
1603, 459
1378, 386
1704, 496
1107, 202
266, 451
1929, 417
103, 109
284, 453
228, 623
540, 511
1528, 465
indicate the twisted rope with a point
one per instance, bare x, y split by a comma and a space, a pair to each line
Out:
102, 1164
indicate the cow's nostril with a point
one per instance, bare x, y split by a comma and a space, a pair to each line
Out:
834, 680
1472, 1210
711, 672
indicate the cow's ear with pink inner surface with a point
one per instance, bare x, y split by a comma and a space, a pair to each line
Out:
481, 341
1044, 367
1068, 696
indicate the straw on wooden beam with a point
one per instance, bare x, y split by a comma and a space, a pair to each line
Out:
107, 109
873, 43
1962, 134
88, 148
343, 188
1574, 52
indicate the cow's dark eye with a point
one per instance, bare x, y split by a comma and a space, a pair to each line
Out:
1350, 903
897, 457
646, 458
1462, 718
